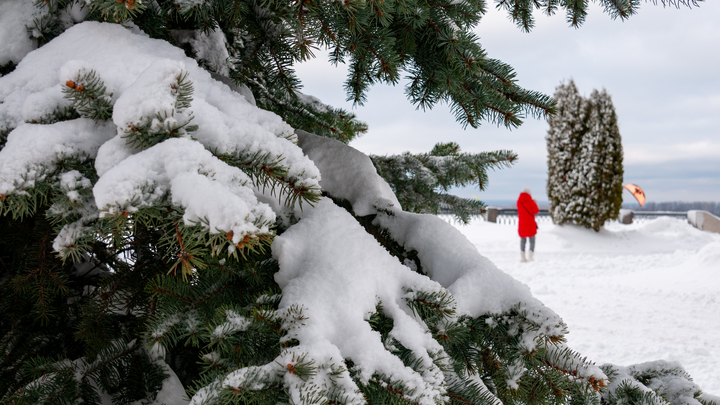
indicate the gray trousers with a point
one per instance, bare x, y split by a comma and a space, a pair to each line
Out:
532, 243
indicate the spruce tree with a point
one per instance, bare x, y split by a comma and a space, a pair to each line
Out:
169, 229
585, 169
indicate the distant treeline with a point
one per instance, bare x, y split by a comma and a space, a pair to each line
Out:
713, 207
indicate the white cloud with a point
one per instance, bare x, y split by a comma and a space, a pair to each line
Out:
679, 152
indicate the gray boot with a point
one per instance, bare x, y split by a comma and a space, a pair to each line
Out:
522, 257
530, 256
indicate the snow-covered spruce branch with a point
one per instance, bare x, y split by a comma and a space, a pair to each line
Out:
658, 382
326, 314
421, 181
31, 161
211, 194
309, 113
268, 174
56, 381
86, 91
510, 352
73, 212
567, 361
470, 389
118, 11
198, 313
201, 313
154, 108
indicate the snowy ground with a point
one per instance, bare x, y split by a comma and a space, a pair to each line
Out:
629, 294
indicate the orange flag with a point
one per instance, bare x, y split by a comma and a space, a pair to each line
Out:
636, 192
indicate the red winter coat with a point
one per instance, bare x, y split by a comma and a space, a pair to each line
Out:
526, 215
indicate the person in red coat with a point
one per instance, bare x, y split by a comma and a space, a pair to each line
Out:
527, 227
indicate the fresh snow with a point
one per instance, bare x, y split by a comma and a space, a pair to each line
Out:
210, 47
629, 294
211, 192
477, 285
348, 173
337, 273
15, 17
32, 151
154, 93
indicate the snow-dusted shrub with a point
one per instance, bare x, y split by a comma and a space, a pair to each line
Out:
585, 170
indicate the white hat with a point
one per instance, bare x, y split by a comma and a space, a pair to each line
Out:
527, 190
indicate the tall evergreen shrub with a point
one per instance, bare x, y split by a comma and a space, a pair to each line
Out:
585, 170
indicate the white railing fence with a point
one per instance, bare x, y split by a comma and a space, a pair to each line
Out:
509, 216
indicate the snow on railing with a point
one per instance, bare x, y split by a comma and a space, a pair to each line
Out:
508, 216
656, 214
702, 220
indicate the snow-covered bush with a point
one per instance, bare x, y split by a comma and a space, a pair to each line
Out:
585, 170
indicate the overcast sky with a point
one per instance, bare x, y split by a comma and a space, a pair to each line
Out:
661, 67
